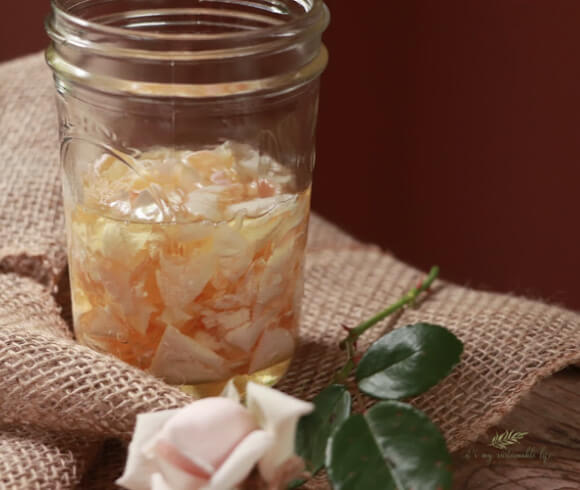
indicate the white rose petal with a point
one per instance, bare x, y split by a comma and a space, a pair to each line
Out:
235, 253
80, 304
278, 414
186, 232
256, 207
245, 336
181, 281
230, 391
180, 359
139, 312
275, 346
129, 299
121, 243
229, 319
274, 278
172, 476
158, 483
204, 203
138, 470
248, 162
116, 281
101, 323
298, 294
241, 461
218, 157
294, 215
174, 316
207, 340
145, 208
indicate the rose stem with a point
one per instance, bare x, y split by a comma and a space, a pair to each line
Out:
349, 343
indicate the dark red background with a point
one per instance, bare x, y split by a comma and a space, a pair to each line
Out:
449, 133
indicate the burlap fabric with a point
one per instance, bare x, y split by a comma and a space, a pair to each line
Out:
66, 412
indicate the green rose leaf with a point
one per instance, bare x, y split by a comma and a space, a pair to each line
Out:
408, 361
332, 408
392, 446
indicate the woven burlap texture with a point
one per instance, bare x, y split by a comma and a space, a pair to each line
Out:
65, 411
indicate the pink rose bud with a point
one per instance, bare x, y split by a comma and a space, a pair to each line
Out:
213, 443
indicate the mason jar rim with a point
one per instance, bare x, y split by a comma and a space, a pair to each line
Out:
315, 18
84, 50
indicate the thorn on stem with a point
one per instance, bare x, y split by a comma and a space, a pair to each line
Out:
420, 285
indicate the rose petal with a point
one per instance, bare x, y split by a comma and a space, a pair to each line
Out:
230, 391
205, 204
228, 319
278, 414
176, 479
139, 468
158, 483
146, 208
122, 243
182, 280
180, 360
167, 453
235, 253
239, 464
275, 346
207, 431
245, 336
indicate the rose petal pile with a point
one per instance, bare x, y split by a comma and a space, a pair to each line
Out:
214, 443
189, 264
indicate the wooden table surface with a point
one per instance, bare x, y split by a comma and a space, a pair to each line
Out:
548, 456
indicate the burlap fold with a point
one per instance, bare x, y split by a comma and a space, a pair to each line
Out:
31, 218
43, 460
60, 401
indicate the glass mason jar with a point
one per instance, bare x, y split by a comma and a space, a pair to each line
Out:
187, 132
